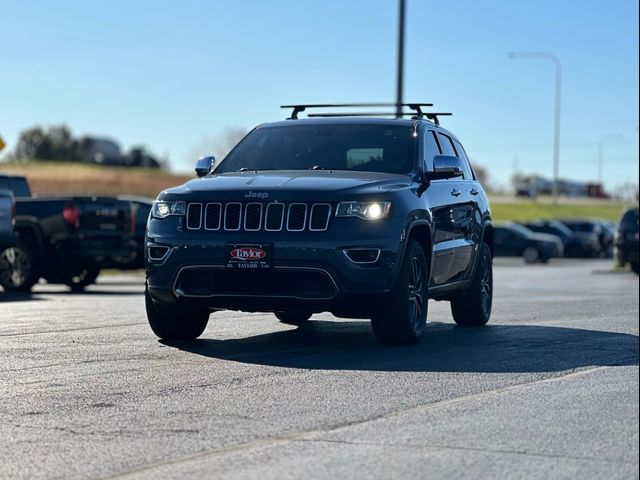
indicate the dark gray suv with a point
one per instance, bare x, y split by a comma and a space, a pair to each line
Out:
361, 216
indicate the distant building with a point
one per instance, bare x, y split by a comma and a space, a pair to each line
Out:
533, 185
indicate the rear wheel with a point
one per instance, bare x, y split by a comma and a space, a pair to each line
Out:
293, 317
403, 316
79, 277
187, 325
472, 308
18, 268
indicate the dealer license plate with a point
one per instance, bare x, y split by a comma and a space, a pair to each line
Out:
249, 256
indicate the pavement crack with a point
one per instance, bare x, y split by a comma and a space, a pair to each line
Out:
422, 446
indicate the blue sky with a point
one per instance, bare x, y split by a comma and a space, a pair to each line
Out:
174, 75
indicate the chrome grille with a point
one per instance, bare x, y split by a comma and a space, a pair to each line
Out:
297, 217
275, 217
194, 216
213, 216
255, 216
320, 215
232, 216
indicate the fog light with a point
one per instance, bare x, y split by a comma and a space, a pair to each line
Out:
362, 255
157, 252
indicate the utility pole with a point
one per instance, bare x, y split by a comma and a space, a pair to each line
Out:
605, 138
400, 72
556, 113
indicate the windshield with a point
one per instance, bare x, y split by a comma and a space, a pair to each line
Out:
367, 148
586, 227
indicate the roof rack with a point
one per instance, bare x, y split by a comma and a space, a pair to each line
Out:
416, 107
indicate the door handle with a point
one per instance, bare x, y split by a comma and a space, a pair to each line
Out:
474, 191
455, 192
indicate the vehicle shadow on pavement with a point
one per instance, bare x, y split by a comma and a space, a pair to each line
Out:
90, 292
343, 345
18, 297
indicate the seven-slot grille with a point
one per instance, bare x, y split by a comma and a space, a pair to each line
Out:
254, 216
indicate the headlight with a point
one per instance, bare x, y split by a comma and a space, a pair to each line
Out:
364, 210
162, 209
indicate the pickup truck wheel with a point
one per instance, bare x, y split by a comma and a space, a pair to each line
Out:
292, 317
18, 268
80, 277
187, 325
403, 316
472, 308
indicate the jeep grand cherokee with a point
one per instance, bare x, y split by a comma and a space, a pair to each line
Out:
361, 216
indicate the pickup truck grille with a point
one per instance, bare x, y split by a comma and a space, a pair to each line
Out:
254, 216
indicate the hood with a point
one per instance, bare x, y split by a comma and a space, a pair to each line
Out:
284, 184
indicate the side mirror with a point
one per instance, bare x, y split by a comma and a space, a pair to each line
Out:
444, 166
204, 165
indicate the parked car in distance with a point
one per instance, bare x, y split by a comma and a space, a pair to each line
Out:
607, 237
590, 230
626, 242
515, 240
66, 239
360, 216
141, 207
576, 244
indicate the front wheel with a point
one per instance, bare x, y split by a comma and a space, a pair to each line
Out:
472, 308
188, 325
531, 255
18, 268
403, 316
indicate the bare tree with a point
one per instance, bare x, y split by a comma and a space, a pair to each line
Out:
219, 145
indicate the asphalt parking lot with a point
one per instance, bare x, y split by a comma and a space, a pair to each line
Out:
548, 390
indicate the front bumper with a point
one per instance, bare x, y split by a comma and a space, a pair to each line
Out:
309, 270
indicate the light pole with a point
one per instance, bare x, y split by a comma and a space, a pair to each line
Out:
400, 71
556, 116
618, 137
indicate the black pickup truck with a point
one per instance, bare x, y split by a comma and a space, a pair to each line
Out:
65, 239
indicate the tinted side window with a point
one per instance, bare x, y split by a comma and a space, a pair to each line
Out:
430, 148
446, 145
20, 187
466, 165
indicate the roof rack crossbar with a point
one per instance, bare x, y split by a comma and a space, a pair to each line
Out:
362, 114
433, 116
302, 107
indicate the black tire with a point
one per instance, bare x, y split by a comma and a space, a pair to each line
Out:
635, 267
293, 317
403, 315
79, 277
187, 325
18, 268
531, 255
472, 308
